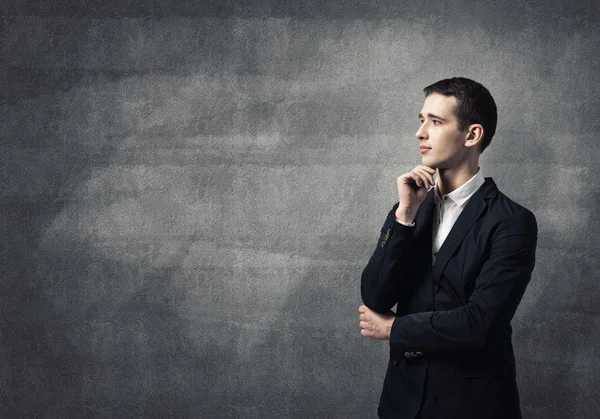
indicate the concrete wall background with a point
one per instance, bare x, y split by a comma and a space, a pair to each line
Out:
190, 190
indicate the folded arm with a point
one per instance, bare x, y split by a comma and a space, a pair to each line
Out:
388, 272
498, 291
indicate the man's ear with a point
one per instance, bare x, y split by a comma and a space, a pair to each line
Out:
474, 135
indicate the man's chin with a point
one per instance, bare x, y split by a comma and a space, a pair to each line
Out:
429, 162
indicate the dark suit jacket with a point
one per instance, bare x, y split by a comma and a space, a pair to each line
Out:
456, 313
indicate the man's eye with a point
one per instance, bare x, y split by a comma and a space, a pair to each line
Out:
435, 122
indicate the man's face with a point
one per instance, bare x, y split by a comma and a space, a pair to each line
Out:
439, 131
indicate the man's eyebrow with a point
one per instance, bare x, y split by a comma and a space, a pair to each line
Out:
433, 116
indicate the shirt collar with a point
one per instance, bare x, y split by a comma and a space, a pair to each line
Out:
462, 194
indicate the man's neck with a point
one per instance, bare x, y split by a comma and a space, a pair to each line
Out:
450, 179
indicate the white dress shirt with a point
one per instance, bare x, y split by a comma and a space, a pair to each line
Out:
448, 208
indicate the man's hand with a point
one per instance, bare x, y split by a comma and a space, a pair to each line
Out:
375, 325
412, 190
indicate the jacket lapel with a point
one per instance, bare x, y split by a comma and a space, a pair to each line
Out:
472, 211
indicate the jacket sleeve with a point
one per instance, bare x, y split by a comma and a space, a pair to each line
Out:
388, 271
498, 290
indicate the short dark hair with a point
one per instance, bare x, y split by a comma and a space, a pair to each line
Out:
475, 105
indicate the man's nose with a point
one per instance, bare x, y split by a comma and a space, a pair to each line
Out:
421, 133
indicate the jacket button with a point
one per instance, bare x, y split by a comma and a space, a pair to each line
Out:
419, 353
407, 354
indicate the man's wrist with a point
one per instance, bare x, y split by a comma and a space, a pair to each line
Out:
405, 215
389, 325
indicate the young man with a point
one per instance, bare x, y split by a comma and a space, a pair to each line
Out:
455, 255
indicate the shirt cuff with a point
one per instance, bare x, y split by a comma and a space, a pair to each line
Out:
405, 224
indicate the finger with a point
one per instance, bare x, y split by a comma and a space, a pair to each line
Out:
410, 178
423, 182
429, 176
420, 179
426, 175
421, 170
362, 308
406, 178
414, 178
427, 168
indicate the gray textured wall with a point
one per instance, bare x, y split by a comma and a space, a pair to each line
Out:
190, 190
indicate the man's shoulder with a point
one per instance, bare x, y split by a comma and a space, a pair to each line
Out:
504, 208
